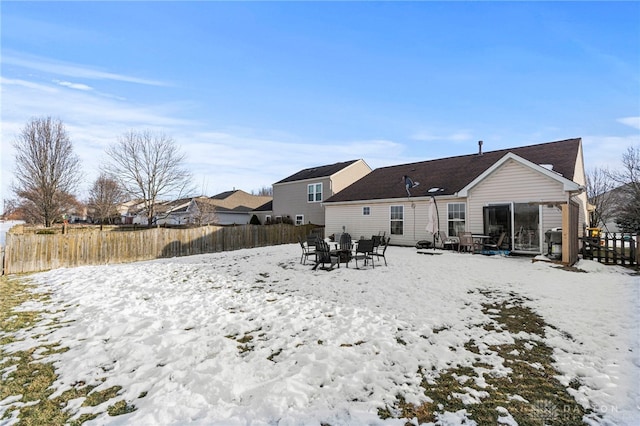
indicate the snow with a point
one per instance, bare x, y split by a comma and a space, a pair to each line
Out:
254, 337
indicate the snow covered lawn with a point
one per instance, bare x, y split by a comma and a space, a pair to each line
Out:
253, 337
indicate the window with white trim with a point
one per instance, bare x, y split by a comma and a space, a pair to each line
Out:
314, 192
456, 218
366, 211
397, 220
299, 219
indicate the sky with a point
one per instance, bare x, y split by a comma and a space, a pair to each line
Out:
252, 337
253, 92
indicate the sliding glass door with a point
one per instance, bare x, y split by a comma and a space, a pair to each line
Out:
497, 219
521, 218
526, 224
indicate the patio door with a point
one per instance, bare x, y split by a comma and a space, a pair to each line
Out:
526, 223
497, 219
523, 218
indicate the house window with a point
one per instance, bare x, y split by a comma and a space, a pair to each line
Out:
366, 211
456, 218
299, 219
314, 192
397, 220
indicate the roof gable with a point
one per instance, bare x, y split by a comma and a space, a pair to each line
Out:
317, 172
238, 198
266, 207
567, 185
455, 173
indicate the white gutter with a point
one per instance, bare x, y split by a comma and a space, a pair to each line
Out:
385, 200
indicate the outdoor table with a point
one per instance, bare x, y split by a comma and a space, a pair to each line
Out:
344, 255
478, 240
450, 245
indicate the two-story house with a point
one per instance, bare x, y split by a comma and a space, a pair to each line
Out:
299, 197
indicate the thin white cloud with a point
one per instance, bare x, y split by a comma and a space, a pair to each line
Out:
606, 151
222, 160
76, 86
26, 84
71, 70
92, 120
630, 121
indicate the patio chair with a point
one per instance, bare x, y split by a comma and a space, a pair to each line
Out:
364, 252
377, 241
344, 249
312, 239
466, 242
324, 255
494, 247
306, 251
381, 254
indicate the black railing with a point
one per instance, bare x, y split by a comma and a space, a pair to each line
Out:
612, 248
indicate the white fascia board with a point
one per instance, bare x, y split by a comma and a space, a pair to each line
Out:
377, 201
567, 185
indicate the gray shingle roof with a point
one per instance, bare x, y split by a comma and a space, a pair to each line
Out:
454, 173
317, 172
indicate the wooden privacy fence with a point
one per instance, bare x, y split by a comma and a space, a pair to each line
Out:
38, 252
613, 248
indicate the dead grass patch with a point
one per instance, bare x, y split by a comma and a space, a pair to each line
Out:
530, 393
29, 380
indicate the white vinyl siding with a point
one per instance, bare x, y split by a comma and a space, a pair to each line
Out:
515, 183
415, 212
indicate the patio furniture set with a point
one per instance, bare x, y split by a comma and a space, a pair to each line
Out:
476, 243
344, 251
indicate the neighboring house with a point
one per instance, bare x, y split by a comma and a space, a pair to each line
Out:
78, 214
237, 206
227, 208
518, 191
299, 197
264, 213
174, 212
132, 212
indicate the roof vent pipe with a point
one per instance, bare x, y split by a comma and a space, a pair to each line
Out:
479, 147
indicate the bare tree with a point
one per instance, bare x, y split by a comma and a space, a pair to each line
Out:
148, 166
104, 196
204, 211
628, 179
47, 171
264, 191
599, 186
10, 210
